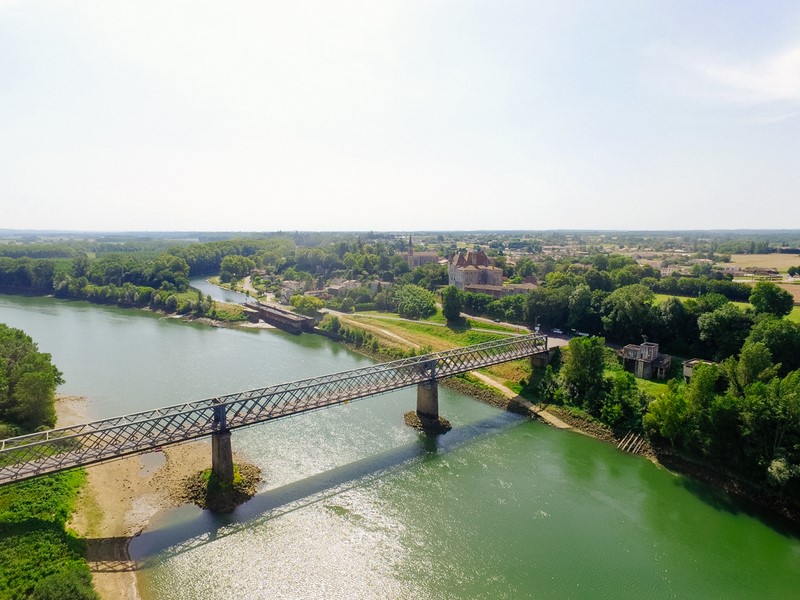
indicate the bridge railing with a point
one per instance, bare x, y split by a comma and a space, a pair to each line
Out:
57, 449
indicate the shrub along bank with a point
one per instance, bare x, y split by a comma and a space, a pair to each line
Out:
38, 557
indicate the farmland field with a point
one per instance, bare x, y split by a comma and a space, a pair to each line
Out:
793, 289
765, 261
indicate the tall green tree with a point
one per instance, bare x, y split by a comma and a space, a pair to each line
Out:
701, 395
598, 280
429, 276
771, 421
28, 380
623, 403
667, 416
306, 305
580, 308
414, 302
550, 305
769, 298
782, 337
33, 397
452, 303
582, 372
675, 323
725, 329
235, 267
753, 364
629, 314
524, 267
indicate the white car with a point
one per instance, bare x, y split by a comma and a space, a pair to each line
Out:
558, 331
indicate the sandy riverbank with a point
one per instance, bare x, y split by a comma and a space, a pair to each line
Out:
121, 497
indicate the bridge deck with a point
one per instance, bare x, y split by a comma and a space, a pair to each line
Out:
44, 452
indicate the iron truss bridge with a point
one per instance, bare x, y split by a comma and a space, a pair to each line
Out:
44, 452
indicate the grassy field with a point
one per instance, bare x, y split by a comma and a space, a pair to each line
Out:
229, 312
225, 311
654, 388
661, 298
511, 373
439, 319
430, 334
793, 289
776, 261
189, 295
434, 334
793, 316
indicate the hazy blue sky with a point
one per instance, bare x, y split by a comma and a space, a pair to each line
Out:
195, 115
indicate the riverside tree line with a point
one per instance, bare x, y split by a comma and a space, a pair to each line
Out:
599, 294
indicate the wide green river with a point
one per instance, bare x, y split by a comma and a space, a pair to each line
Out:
356, 505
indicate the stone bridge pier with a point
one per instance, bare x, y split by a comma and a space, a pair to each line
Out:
428, 400
221, 452
427, 418
222, 456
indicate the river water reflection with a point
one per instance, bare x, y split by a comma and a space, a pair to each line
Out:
356, 505
217, 292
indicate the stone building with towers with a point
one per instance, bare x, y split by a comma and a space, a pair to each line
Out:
473, 268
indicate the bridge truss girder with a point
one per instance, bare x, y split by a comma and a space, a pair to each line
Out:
55, 450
